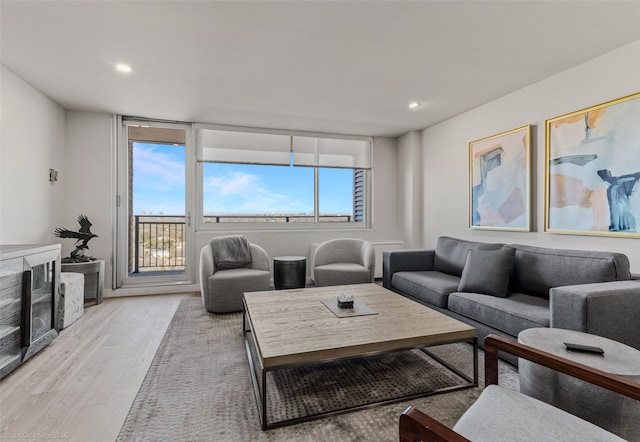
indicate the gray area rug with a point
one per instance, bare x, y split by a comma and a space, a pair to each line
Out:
198, 388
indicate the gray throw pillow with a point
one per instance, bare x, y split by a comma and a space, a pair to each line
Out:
487, 271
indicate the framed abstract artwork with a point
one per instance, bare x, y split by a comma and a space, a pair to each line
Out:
499, 181
592, 173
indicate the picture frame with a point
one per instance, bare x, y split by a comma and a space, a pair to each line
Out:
500, 181
592, 170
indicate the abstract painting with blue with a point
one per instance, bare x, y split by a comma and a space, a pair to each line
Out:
499, 169
593, 170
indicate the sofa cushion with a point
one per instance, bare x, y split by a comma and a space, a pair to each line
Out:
487, 271
451, 253
431, 287
537, 269
511, 315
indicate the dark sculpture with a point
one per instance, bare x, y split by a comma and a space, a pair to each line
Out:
82, 237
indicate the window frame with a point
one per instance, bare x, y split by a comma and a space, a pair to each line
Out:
121, 276
257, 226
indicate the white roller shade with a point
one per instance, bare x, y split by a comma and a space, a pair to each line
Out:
331, 152
224, 146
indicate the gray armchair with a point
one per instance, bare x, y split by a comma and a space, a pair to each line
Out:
222, 290
343, 261
500, 414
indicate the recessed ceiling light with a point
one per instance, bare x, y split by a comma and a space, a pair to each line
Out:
414, 105
123, 68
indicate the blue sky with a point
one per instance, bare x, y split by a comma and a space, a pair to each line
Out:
158, 186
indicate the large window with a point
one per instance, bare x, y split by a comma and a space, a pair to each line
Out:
228, 178
256, 177
336, 195
257, 193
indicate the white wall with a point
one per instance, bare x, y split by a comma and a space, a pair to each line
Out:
410, 179
32, 141
92, 164
445, 150
89, 184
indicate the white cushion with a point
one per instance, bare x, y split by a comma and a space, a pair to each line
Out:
502, 415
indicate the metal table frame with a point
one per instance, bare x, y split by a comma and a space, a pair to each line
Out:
260, 385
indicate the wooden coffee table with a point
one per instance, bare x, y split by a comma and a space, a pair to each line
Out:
290, 328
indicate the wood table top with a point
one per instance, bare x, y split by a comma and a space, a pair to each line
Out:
295, 327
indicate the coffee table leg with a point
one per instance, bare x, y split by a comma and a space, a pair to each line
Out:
244, 319
472, 381
264, 399
260, 391
475, 362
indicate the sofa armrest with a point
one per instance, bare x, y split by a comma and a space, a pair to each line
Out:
635, 276
405, 261
609, 309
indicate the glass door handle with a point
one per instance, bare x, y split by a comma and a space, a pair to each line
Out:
26, 308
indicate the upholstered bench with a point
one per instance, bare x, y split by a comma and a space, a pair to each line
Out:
71, 306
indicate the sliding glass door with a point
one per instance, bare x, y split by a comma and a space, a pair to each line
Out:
155, 233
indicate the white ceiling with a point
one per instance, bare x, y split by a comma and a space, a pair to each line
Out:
331, 66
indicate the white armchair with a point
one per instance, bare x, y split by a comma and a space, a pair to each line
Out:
222, 290
343, 261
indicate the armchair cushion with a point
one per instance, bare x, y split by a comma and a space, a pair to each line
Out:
228, 287
342, 273
498, 411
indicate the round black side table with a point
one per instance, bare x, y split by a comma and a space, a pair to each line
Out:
289, 272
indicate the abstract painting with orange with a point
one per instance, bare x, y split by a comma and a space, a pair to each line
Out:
593, 170
499, 174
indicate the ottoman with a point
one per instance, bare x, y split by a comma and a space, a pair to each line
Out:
616, 413
71, 305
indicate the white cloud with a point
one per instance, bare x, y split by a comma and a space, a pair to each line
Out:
238, 192
156, 170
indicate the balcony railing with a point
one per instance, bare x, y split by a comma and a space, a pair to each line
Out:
159, 241
219, 219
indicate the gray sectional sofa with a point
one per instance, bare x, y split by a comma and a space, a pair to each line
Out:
507, 288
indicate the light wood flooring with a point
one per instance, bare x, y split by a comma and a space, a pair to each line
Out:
80, 387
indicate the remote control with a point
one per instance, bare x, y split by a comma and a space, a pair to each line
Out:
583, 348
